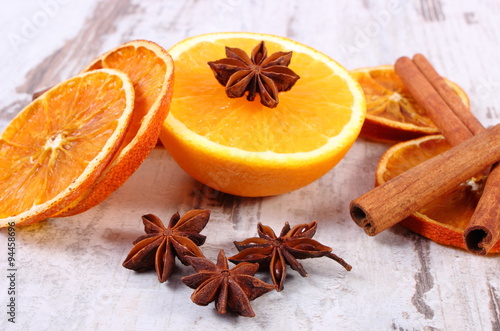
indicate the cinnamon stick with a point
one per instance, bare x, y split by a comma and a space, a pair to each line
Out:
453, 129
448, 95
398, 198
483, 230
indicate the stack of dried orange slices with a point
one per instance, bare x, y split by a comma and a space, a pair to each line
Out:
393, 116
79, 141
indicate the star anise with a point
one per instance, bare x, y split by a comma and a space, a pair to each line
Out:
259, 73
231, 289
275, 252
160, 245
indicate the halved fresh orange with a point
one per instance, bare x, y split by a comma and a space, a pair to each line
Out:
244, 148
392, 114
150, 68
56, 147
444, 220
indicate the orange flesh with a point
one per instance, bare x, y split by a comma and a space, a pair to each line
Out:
57, 137
206, 110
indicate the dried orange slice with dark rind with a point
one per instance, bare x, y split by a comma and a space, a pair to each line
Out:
392, 115
444, 220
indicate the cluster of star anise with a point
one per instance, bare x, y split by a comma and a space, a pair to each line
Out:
234, 288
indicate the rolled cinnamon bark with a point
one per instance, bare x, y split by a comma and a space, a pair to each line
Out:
448, 95
453, 129
483, 230
393, 201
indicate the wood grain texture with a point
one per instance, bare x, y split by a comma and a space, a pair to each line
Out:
70, 273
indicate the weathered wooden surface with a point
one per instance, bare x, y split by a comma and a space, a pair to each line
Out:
69, 270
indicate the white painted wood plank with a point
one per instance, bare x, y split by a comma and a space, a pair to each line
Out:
70, 273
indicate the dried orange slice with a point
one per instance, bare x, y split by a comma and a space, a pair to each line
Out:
150, 68
391, 112
56, 147
244, 148
444, 220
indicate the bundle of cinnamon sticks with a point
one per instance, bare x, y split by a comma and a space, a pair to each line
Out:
475, 150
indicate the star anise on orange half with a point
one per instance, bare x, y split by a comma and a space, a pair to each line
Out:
160, 245
276, 252
257, 73
231, 289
